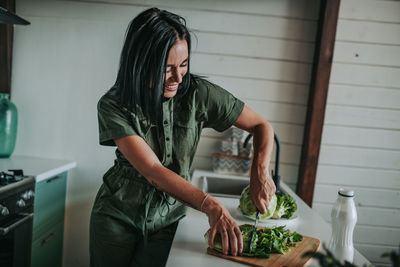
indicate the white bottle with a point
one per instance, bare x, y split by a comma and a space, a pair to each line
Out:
344, 218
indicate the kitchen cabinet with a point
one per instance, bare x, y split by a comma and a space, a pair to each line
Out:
47, 248
48, 221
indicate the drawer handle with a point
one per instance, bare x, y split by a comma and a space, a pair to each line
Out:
53, 179
47, 239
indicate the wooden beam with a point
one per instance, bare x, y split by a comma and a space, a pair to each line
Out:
6, 44
323, 55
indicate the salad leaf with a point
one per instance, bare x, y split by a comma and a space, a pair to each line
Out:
285, 206
247, 207
268, 240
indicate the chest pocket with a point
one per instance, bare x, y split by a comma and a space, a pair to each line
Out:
186, 136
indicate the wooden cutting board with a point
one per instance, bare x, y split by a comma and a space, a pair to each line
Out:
292, 258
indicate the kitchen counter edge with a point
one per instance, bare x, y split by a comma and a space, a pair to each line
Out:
40, 168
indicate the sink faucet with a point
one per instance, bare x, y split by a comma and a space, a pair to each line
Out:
275, 174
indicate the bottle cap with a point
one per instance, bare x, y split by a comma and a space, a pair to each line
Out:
345, 192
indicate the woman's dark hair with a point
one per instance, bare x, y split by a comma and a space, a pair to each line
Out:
141, 75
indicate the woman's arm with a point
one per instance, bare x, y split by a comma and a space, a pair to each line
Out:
142, 158
262, 186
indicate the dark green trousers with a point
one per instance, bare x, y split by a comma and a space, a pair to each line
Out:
112, 243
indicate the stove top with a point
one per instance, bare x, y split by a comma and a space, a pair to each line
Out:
10, 177
13, 181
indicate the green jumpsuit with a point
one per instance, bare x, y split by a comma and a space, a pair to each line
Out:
132, 223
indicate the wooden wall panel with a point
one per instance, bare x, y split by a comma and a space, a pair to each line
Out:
371, 216
368, 32
377, 76
252, 46
263, 89
361, 137
230, 66
363, 117
360, 157
377, 236
374, 97
365, 53
371, 197
351, 176
371, 10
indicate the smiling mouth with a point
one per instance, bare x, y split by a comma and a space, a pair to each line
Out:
172, 87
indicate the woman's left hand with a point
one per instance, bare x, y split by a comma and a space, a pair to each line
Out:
222, 222
262, 188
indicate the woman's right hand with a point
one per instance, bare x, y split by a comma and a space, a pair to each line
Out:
222, 222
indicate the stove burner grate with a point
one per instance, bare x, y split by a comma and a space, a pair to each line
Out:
9, 178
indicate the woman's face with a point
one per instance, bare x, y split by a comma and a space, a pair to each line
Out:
177, 66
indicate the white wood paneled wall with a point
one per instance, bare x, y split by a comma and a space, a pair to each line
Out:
361, 136
262, 52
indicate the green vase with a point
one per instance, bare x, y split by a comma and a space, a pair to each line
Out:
8, 125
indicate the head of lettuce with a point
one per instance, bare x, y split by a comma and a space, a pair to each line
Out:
281, 205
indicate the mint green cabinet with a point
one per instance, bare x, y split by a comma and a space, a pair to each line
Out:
47, 249
48, 221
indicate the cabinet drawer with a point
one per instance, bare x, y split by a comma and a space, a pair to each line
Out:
49, 205
47, 250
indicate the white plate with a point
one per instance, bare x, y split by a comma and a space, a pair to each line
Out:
271, 222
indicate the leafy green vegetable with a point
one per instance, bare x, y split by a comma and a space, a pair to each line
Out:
327, 259
282, 205
247, 207
268, 240
285, 206
394, 257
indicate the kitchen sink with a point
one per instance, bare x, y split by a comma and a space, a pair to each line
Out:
223, 187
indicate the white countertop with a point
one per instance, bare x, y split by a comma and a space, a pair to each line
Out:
189, 247
41, 168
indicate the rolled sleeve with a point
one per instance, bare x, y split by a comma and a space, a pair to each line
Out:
113, 121
223, 109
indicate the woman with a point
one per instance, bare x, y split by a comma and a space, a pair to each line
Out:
154, 114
